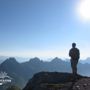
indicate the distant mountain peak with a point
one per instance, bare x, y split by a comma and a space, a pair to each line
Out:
36, 59
56, 59
10, 60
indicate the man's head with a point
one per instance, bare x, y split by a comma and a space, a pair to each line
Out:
73, 45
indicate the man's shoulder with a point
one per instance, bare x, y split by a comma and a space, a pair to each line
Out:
77, 49
74, 49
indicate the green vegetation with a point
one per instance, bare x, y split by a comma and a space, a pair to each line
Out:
55, 85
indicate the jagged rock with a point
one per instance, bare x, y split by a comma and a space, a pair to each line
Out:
83, 84
53, 81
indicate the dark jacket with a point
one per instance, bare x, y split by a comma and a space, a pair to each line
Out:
74, 53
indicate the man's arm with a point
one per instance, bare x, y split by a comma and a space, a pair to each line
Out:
78, 54
70, 53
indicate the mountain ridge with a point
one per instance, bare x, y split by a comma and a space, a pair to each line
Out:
26, 70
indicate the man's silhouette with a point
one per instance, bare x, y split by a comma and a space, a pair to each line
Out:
75, 55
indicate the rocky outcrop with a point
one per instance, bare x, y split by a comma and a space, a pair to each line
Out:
83, 84
56, 81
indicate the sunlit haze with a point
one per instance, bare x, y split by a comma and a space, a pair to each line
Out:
83, 9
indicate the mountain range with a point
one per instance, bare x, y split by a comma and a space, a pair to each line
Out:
23, 59
22, 72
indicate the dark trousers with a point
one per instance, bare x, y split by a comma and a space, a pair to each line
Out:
74, 66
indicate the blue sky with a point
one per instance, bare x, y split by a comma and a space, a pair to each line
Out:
42, 28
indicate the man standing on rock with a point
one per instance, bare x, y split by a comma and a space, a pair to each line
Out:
75, 55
